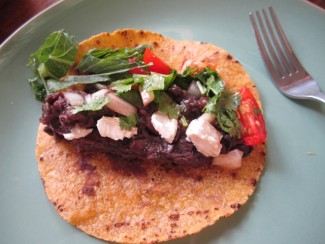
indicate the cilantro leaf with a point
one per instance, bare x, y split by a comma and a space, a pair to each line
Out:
152, 82
229, 123
123, 85
95, 104
221, 101
128, 122
225, 106
155, 81
166, 105
229, 100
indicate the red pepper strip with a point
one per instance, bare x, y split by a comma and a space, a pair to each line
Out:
253, 129
157, 66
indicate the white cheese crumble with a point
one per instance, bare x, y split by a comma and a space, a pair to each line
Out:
110, 127
115, 103
76, 133
147, 96
231, 160
205, 137
74, 99
165, 126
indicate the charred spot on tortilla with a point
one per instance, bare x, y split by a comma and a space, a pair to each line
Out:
127, 200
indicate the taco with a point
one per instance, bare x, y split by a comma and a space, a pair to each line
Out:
182, 156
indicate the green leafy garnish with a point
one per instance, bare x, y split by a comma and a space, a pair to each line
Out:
52, 60
95, 104
38, 87
125, 85
128, 122
106, 60
152, 82
184, 80
166, 105
221, 101
184, 121
133, 97
68, 81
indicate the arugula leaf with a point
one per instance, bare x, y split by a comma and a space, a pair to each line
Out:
128, 122
52, 60
95, 104
166, 105
106, 60
58, 85
66, 82
38, 87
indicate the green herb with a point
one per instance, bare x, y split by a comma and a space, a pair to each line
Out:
128, 122
184, 121
152, 82
202, 88
133, 97
107, 60
95, 104
224, 105
125, 85
52, 60
38, 88
221, 101
184, 80
58, 85
166, 105
228, 122
156, 82
68, 81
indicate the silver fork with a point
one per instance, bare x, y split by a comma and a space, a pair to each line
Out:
288, 74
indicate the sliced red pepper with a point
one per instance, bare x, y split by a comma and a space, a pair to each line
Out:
139, 71
253, 130
158, 65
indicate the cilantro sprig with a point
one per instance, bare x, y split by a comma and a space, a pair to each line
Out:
128, 122
95, 104
166, 105
221, 101
151, 82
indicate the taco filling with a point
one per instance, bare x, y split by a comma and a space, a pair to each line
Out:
130, 104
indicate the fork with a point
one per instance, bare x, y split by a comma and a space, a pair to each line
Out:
289, 76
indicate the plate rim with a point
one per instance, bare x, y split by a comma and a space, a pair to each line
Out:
27, 22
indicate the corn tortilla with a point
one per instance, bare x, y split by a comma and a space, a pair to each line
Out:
153, 204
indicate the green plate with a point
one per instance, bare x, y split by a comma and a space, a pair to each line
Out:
288, 205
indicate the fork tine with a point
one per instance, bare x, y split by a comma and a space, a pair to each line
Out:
266, 58
291, 55
269, 45
288, 67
